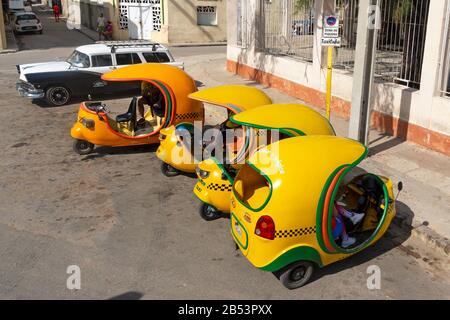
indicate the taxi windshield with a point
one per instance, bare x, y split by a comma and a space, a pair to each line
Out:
78, 59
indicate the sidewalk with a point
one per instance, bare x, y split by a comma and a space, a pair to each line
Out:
11, 42
424, 204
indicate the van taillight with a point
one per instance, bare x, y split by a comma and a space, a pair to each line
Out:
265, 228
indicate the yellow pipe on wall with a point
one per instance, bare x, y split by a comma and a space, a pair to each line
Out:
329, 81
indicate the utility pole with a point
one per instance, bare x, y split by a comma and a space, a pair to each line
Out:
368, 23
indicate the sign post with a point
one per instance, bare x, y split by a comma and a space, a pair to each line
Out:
330, 39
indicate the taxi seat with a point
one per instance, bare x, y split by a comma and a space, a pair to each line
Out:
130, 115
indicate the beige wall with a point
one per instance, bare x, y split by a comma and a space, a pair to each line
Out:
182, 22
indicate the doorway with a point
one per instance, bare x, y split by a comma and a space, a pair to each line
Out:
140, 23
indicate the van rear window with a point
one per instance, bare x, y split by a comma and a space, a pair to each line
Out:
251, 188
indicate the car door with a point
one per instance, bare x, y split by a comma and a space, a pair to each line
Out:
120, 60
100, 64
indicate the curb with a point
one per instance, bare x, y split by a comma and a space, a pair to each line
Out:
80, 30
423, 232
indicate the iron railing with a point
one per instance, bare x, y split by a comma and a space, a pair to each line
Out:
401, 39
289, 28
445, 60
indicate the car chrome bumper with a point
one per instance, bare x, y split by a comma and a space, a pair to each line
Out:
28, 91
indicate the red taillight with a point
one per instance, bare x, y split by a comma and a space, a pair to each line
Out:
265, 228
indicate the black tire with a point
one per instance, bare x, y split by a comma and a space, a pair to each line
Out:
40, 31
57, 95
82, 147
209, 213
296, 275
168, 170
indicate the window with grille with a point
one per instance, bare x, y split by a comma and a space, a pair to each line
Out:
207, 16
289, 28
445, 72
401, 39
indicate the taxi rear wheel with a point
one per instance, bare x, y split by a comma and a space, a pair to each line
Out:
82, 147
209, 213
297, 274
168, 170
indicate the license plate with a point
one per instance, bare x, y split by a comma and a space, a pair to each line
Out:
28, 28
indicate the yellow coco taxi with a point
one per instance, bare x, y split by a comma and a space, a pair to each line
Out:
283, 199
215, 178
177, 149
95, 126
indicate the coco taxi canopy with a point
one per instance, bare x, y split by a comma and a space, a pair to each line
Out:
291, 119
236, 98
282, 200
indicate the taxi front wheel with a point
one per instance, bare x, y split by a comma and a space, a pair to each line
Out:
209, 213
82, 147
297, 274
168, 170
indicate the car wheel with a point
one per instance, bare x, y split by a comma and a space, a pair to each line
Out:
82, 147
57, 95
168, 170
40, 31
209, 213
297, 274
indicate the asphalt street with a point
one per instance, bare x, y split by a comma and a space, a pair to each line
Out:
135, 233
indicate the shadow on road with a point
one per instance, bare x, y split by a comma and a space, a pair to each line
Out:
132, 295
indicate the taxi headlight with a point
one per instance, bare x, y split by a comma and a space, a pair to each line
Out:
202, 173
88, 123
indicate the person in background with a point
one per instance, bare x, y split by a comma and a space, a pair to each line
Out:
101, 22
108, 30
56, 12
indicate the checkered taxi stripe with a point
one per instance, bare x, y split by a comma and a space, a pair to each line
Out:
187, 116
295, 232
219, 187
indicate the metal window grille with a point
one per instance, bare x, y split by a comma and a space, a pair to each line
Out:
207, 15
445, 63
155, 7
401, 39
289, 28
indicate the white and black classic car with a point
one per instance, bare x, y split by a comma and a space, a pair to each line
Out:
79, 76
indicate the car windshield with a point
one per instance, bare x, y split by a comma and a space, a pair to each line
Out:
26, 17
78, 59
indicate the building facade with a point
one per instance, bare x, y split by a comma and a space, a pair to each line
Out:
165, 21
277, 42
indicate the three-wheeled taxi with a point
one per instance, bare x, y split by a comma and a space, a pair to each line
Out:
95, 126
215, 179
178, 142
282, 205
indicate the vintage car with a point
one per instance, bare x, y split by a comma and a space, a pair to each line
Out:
80, 74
